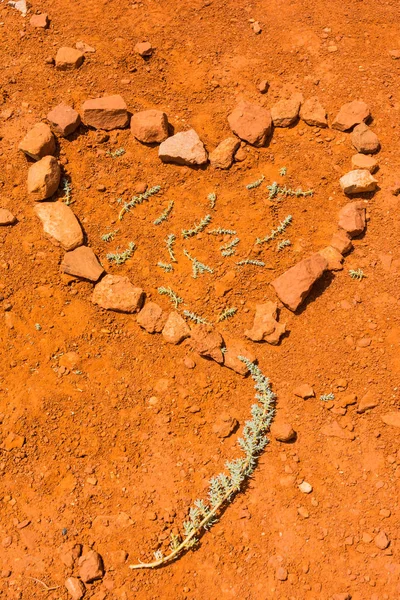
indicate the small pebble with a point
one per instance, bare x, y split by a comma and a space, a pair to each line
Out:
305, 487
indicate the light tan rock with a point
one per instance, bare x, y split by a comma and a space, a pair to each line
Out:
44, 178
152, 318
75, 588
282, 432
265, 326
342, 242
175, 329
149, 126
304, 391
60, 224
68, 59
362, 161
313, 113
352, 218
184, 148
91, 567
358, 181
364, 139
351, 114
6, 217
285, 112
64, 119
38, 142
222, 156
115, 292
206, 341
333, 257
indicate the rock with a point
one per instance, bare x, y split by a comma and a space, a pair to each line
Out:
358, 181
108, 112
175, 329
361, 161
82, 263
281, 574
313, 113
263, 86
395, 54
286, 112
12, 441
265, 326
235, 348
334, 430
44, 178
282, 432
6, 217
222, 156
395, 188
184, 148
225, 425
85, 48
342, 242
391, 418
381, 540
115, 292
365, 140
68, 59
295, 284
344, 596
91, 567
60, 224
256, 27
64, 119
251, 123
41, 21
145, 49
333, 257
75, 588
207, 342
152, 318
241, 153
305, 487
351, 114
304, 391
352, 218
150, 126
367, 402
38, 142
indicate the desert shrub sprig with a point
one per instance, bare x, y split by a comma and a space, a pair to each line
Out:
108, 237
255, 184
116, 153
222, 489
165, 214
220, 231
196, 318
275, 232
136, 200
170, 242
198, 268
197, 227
327, 397
357, 274
283, 171
119, 258
283, 244
165, 267
175, 299
251, 261
276, 190
229, 248
227, 313
212, 198
67, 189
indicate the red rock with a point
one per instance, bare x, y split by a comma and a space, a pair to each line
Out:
352, 218
351, 114
344, 596
348, 400
64, 119
235, 348
334, 258
184, 148
361, 161
295, 284
225, 284
358, 181
395, 54
6, 217
207, 342
115, 292
85, 48
152, 318
313, 113
334, 430
41, 21
12, 441
251, 123
150, 126
364, 139
281, 574
368, 401
82, 262
68, 59
304, 391
263, 86
38, 142
381, 540
391, 418
145, 49
286, 112
342, 242
91, 567
222, 156
44, 178
265, 326
60, 224
256, 28
108, 112
175, 329
225, 425
75, 588
282, 432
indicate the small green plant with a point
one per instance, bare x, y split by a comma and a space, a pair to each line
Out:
165, 266
251, 261
67, 189
283, 244
229, 248
202, 515
116, 153
327, 397
165, 214
197, 228
283, 171
276, 190
255, 184
212, 198
108, 237
227, 313
193, 317
357, 274
119, 258
275, 232
198, 268
175, 299
170, 241
38, 327
220, 231
136, 200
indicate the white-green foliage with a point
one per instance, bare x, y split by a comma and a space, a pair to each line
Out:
276, 190
38, 327
227, 313
119, 258
220, 231
107, 237
116, 153
175, 299
229, 248
165, 266
357, 274
170, 241
165, 214
223, 487
275, 232
283, 171
327, 397
136, 200
67, 189
212, 198
251, 261
255, 184
283, 244
198, 268
197, 227
193, 317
